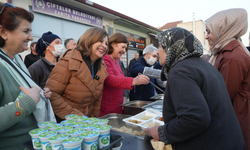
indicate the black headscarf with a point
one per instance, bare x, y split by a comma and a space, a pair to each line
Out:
179, 44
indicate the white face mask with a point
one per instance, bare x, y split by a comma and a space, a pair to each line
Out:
58, 50
151, 61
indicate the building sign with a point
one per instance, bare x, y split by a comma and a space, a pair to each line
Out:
134, 40
66, 12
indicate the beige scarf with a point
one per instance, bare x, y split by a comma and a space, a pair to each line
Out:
226, 26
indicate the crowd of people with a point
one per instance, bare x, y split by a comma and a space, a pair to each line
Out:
205, 103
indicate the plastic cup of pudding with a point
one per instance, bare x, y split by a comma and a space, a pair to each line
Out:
75, 132
88, 120
36, 142
104, 137
63, 129
53, 127
56, 141
44, 137
45, 124
77, 124
89, 127
67, 122
81, 118
72, 116
90, 140
101, 122
72, 143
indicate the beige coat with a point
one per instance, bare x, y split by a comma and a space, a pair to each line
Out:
74, 91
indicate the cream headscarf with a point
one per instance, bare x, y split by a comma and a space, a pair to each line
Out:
226, 26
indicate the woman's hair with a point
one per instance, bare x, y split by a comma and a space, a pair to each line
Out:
117, 38
11, 18
89, 37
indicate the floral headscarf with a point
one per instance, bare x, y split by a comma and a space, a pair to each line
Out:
179, 44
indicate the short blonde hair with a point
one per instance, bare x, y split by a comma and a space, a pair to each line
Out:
89, 37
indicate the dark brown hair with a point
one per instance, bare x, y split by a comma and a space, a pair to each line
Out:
117, 38
32, 44
89, 37
11, 17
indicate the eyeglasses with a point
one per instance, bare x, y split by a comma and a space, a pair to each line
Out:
6, 5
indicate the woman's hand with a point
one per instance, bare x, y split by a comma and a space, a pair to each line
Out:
153, 132
47, 93
140, 79
33, 92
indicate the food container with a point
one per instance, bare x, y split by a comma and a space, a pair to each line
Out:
101, 122
72, 143
72, 116
117, 147
134, 107
90, 140
63, 129
104, 137
45, 124
36, 142
89, 127
56, 141
81, 118
157, 97
75, 132
157, 105
77, 124
44, 137
53, 127
151, 123
67, 122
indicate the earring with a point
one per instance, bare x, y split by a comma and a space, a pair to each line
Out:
5, 38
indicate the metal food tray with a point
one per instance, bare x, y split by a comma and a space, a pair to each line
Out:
159, 96
158, 105
134, 107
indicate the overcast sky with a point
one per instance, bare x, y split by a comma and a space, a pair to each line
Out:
159, 12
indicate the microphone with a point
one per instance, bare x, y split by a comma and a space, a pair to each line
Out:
96, 77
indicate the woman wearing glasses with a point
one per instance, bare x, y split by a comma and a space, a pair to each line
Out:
22, 103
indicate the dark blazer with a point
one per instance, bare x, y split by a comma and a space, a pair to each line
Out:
141, 92
197, 110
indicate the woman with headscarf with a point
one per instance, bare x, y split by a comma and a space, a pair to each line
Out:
50, 47
232, 59
22, 103
197, 110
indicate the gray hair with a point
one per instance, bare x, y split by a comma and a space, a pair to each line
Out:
149, 49
67, 42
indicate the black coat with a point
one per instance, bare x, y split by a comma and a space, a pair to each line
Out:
197, 110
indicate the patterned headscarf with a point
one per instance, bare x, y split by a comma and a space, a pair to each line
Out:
179, 44
226, 26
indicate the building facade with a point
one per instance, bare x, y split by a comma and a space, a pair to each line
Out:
71, 18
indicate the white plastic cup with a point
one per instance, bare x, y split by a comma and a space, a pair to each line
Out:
72, 143
45, 124
75, 132
104, 137
63, 129
44, 137
101, 122
117, 148
81, 118
71, 116
56, 141
89, 127
53, 127
67, 122
90, 140
36, 142
77, 124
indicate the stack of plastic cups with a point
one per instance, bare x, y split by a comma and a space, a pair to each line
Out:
104, 137
44, 137
72, 143
90, 140
56, 141
34, 135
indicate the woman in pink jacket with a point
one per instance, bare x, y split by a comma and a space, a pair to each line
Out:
116, 82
